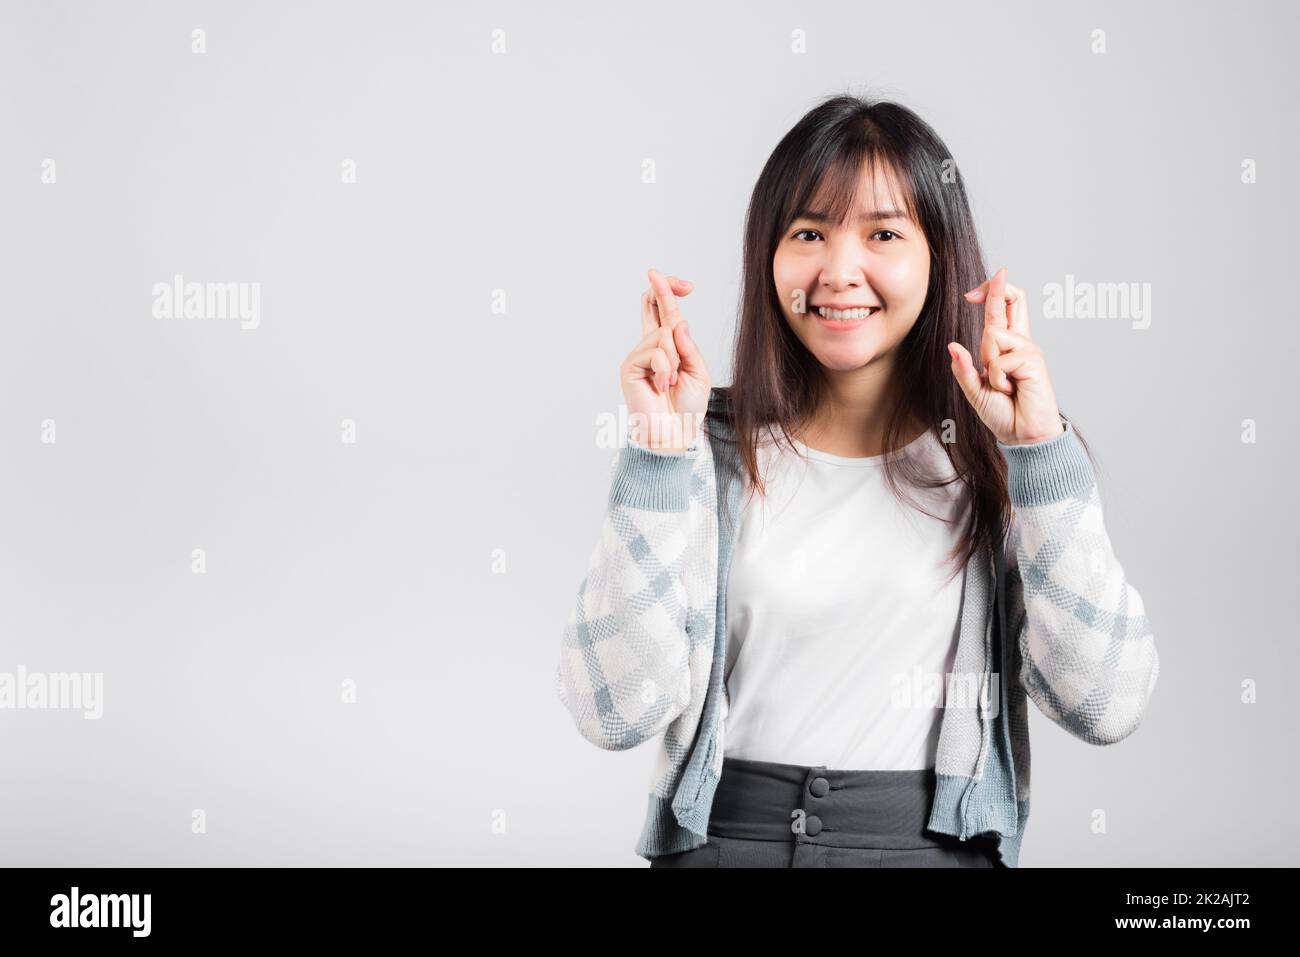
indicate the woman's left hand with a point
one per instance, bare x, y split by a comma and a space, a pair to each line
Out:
1013, 396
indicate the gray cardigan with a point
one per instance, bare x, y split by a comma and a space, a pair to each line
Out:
644, 646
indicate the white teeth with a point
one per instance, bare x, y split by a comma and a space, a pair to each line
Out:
843, 314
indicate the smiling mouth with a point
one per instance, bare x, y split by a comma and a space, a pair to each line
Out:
846, 316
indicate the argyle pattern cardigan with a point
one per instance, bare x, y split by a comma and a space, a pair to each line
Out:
644, 646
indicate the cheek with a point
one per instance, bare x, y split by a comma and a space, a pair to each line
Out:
790, 275
906, 278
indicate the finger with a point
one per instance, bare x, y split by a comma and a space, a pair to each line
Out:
650, 363
659, 338
669, 314
1019, 365
1007, 340
692, 359
657, 366
1016, 299
1019, 303
998, 375
1014, 294
649, 316
656, 332
977, 294
666, 341
963, 369
995, 300
662, 369
989, 349
649, 311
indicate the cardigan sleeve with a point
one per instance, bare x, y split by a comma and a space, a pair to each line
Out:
645, 603
1087, 652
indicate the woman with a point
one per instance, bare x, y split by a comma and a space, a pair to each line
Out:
806, 654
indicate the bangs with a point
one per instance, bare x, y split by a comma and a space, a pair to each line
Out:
829, 187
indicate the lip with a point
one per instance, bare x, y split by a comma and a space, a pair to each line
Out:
842, 325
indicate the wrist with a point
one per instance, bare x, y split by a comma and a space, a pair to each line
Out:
1036, 437
1049, 471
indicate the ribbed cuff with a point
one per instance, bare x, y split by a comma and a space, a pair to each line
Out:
1048, 471
653, 479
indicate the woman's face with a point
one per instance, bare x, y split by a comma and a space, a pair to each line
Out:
879, 258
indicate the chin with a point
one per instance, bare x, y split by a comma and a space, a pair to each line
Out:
845, 360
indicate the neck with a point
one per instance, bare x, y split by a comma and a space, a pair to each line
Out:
850, 420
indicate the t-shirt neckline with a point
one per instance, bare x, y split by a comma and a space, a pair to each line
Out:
859, 462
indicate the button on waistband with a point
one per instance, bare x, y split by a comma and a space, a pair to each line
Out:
885, 809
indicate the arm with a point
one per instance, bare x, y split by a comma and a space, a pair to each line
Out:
1088, 655
647, 600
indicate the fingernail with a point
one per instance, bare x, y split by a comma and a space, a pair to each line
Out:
686, 330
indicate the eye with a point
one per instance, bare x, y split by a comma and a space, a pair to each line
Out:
887, 232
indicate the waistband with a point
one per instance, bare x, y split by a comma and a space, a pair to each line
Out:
770, 801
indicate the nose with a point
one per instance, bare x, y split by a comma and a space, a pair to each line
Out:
844, 266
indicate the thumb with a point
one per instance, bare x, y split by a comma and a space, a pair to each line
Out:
963, 370
687, 350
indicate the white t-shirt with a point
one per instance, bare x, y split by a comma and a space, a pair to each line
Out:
840, 628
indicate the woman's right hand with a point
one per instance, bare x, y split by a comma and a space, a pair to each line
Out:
665, 382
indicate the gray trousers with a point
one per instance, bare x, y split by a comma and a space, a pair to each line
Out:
767, 814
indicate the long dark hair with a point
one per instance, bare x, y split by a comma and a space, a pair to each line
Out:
778, 384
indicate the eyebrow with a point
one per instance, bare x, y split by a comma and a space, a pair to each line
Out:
817, 216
